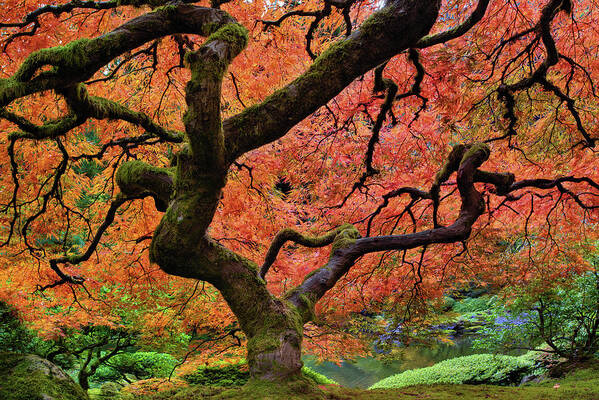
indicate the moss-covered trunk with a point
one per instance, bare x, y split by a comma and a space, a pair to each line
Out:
274, 350
273, 326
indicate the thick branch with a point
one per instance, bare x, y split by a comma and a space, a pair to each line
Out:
85, 105
398, 26
203, 92
345, 255
79, 60
49, 130
136, 178
201, 169
82, 107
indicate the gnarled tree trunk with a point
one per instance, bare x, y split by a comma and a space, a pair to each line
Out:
191, 189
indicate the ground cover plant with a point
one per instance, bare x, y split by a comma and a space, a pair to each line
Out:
235, 178
238, 375
578, 384
475, 369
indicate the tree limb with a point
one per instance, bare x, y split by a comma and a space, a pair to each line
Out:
79, 60
290, 235
397, 27
473, 19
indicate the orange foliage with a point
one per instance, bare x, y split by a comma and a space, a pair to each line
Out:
535, 233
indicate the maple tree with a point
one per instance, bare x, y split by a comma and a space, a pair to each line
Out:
128, 135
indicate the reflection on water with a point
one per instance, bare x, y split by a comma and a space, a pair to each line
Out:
364, 372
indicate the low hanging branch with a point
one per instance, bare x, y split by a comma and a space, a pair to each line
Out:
79, 258
289, 235
464, 160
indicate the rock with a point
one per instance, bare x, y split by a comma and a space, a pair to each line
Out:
29, 377
530, 379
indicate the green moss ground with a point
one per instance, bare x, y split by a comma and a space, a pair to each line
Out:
582, 384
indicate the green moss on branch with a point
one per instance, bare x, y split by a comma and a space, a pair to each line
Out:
346, 236
477, 149
136, 177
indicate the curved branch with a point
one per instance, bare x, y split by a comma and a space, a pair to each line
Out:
539, 75
84, 107
58, 9
79, 258
79, 60
345, 254
380, 84
95, 107
557, 183
290, 235
470, 159
473, 19
49, 130
136, 178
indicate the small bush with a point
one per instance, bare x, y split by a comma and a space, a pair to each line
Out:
142, 365
231, 375
469, 305
110, 390
448, 303
474, 369
320, 379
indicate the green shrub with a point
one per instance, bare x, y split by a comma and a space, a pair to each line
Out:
562, 316
469, 305
105, 373
110, 390
320, 379
230, 375
141, 365
238, 375
448, 303
474, 369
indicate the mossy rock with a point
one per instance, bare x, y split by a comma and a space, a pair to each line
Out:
29, 377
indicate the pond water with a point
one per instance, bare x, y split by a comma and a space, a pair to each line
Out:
363, 372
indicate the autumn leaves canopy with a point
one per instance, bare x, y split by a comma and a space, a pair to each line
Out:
162, 114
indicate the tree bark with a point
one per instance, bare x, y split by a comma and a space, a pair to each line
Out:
180, 245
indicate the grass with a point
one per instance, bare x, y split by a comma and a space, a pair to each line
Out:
582, 384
